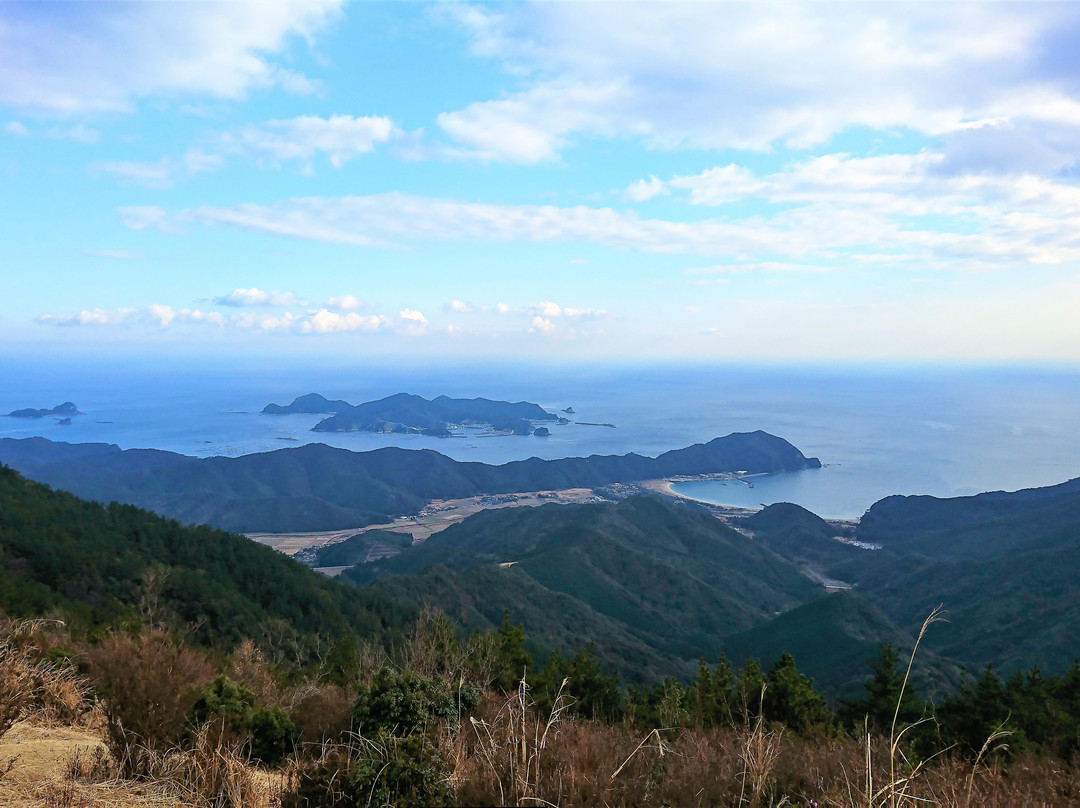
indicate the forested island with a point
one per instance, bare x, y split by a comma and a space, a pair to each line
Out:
65, 410
405, 413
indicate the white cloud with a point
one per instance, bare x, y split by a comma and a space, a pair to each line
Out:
502, 308
584, 314
530, 128
90, 317
755, 76
327, 322
540, 325
644, 190
344, 303
284, 322
257, 297
413, 322
339, 137
454, 330
97, 57
16, 128
162, 315
546, 309
459, 306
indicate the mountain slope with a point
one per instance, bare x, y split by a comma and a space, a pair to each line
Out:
832, 639
100, 564
670, 575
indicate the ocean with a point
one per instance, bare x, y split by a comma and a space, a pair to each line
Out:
940, 431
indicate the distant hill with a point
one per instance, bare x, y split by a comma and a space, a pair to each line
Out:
1003, 565
101, 564
358, 549
311, 403
798, 535
670, 577
997, 523
316, 487
409, 413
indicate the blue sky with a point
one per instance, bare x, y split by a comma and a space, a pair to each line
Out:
703, 181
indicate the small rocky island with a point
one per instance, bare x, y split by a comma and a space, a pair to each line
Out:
65, 410
405, 413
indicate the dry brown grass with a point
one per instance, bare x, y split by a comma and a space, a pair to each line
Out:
51, 692
59, 767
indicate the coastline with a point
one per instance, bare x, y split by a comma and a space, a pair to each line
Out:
665, 486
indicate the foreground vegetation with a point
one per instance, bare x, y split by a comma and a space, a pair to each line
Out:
445, 723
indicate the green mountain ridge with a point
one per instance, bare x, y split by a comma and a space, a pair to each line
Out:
316, 487
671, 575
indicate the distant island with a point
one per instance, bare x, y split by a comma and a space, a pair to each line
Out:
64, 410
405, 413
311, 403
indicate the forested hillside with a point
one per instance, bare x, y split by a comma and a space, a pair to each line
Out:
655, 584
106, 565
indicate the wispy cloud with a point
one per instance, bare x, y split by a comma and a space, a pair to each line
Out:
723, 75
840, 204
346, 303
163, 173
340, 138
122, 255
89, 317
100, 57
257, 297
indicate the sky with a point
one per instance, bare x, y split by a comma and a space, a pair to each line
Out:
560, 180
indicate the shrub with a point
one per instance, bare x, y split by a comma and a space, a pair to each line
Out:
321, 713
406, 702
148, 684
229, 709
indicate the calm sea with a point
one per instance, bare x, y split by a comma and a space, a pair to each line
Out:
912, 431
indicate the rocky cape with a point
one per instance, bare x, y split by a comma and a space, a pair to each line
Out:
316, 487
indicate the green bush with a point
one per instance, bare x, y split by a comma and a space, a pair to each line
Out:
406, 702
231, 708
385, 770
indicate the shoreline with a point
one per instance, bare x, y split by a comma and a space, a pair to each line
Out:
665, 486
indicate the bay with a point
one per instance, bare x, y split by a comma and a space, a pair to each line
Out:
940, 431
